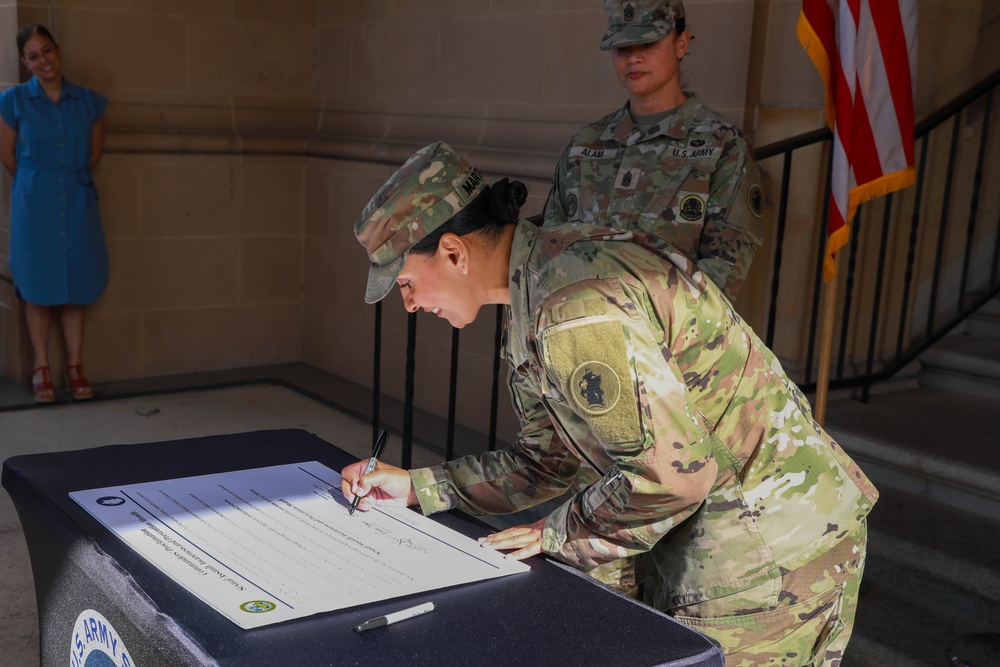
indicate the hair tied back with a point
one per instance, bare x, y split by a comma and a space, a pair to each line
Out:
506, 199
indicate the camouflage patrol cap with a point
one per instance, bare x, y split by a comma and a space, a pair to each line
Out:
423, 194
639, 21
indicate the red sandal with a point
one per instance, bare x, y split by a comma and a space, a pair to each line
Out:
45, 391
78, 386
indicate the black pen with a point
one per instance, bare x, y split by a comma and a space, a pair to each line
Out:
372, 462
395, 617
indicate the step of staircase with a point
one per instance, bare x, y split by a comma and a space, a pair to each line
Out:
932, 576
969, 364
945, 555
938, 444
984, 324
897, 629
933, 569
985, 321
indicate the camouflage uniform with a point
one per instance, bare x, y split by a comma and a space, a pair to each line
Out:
630, 369
690, 179
627, 362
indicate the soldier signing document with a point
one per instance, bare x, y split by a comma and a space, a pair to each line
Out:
629, 365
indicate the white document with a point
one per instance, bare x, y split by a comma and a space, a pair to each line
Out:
271, 544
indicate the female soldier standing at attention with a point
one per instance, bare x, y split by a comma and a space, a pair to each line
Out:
664, 163
51, 138
626, 360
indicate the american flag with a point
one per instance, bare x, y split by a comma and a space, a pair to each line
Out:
866, 52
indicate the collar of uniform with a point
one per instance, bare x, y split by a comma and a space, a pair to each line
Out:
679, 124
622, 129
525, 233
524, 241
619, 126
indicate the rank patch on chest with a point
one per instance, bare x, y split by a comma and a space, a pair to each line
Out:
692, 208
627, 180
596, 387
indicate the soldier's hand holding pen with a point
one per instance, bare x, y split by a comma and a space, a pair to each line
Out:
386, 485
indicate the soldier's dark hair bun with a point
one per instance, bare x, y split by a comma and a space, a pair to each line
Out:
489, 213
506, 199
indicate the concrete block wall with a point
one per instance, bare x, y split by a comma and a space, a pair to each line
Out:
509, 81
206, 263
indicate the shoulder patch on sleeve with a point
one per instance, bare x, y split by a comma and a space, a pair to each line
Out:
595, 387
589, 360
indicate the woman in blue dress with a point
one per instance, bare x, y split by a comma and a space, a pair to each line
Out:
51, 138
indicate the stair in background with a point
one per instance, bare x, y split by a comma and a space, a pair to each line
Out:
986, 321
933, 569
968, 361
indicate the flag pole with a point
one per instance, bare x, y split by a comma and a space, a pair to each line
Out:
826, 347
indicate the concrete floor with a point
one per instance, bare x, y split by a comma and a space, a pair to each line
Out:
150, 418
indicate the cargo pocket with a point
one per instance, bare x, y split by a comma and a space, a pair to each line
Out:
792, 636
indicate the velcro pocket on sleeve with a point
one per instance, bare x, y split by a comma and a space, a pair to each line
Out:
588, 359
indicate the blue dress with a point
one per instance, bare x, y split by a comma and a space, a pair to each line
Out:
57, 251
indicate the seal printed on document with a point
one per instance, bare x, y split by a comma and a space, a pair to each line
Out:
110, 501
96, 642
258, 606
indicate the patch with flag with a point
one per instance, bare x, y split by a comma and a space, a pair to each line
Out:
866, 52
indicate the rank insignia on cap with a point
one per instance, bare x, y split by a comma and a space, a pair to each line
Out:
628, 13
755, 200
692, 208
596, 387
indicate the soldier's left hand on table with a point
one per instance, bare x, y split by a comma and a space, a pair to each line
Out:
525, 540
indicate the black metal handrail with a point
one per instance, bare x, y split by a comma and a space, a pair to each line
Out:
946, 309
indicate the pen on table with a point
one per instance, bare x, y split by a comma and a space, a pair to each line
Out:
395, 617
372, 462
